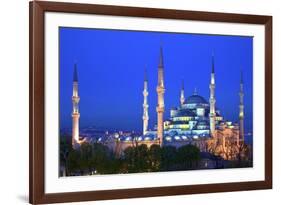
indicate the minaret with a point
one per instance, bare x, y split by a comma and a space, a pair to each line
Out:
75, 108
212, 100
241, 110
145, 117
182, 99
160, 92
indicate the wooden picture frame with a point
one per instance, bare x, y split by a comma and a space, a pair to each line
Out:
37, 10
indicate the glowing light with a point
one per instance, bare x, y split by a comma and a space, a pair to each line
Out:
168, 138
128, 138
177, 138
182, 118
218, 118
184, 126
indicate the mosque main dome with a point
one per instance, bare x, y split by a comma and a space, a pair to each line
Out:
195, 99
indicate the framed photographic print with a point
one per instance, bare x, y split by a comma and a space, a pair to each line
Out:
139, 102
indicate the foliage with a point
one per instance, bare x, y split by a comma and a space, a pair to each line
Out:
73, 161
97, 158
136, 159
65, 147
188, 155
154, 157
168, 157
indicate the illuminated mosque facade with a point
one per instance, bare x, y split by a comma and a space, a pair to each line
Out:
195, 121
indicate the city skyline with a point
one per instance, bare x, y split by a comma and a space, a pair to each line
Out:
111, 74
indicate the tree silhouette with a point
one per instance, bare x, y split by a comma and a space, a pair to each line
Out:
154, 156
187, 155
168, 157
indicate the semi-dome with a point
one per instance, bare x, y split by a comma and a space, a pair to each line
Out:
195, 99
185, 112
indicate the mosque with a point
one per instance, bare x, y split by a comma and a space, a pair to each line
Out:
195, 121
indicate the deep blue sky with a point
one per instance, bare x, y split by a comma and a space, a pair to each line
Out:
111, 67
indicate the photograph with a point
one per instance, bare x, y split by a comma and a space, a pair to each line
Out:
134, 101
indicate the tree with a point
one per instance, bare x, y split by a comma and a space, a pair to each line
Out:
130, 159
244, 155
86, 153
168, 158
73, 161
142, 163
136, 159
187, 155
154, 156
65, 147
100, 158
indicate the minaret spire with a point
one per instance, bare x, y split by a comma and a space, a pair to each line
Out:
161, 62
212, 100
145, 116
161, 69
75, 75
241, 77
75, 108
160, 93
182, 98
145, 75
213, 70
213, 63
241, 109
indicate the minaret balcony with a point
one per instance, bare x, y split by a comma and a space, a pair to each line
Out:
212, 86
145, 93
75, 98
145, 118
160, 89
75, 114
145, 105
160, 109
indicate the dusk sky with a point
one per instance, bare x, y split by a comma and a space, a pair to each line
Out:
111, 66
